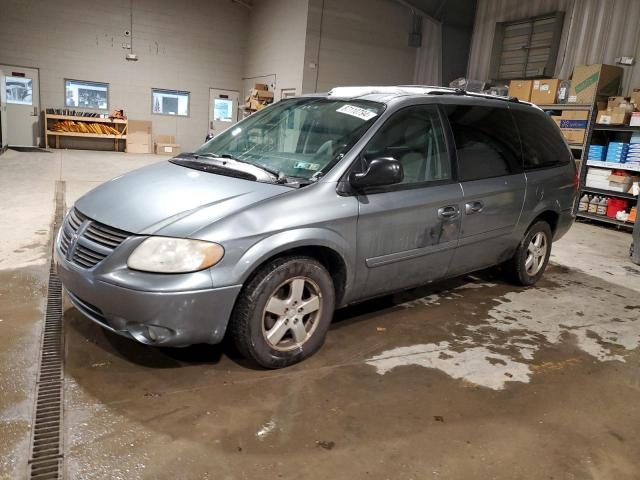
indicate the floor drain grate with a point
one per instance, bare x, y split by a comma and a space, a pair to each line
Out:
46, 445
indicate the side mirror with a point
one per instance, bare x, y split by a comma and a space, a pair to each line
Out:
381, 171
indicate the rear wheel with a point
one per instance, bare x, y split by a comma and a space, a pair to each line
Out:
284, 312
530, 260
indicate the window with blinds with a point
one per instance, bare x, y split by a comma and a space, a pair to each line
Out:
526, 48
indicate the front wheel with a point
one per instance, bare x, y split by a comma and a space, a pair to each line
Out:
283, 313
530, 260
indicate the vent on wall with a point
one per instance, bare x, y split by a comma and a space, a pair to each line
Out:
526, 48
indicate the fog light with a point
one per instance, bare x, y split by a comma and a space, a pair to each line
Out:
152, 334
149, 333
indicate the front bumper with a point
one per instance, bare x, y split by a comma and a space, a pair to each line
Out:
162, 318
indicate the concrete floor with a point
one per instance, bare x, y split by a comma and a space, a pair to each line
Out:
473, 378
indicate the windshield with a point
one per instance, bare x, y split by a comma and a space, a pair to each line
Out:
299, 137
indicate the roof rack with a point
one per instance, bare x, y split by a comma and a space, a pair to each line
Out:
353, 92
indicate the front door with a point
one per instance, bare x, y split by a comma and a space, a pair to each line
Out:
223, 110
23, 106
407, 232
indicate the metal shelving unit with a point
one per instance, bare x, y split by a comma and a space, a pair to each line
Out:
584, 163
609, 165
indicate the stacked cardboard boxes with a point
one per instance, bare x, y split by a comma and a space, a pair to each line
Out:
258, 98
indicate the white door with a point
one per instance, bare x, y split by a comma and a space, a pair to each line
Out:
23, 106
223, 109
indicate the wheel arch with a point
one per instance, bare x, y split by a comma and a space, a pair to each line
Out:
327, 248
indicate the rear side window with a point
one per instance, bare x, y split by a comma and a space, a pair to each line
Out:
542, 145
486, 140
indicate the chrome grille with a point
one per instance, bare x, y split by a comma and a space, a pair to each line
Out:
90, 241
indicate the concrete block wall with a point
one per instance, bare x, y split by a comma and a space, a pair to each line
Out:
360, 42
191, 45
276, 44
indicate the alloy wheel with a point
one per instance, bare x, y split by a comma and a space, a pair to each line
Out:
536, 254
291, 314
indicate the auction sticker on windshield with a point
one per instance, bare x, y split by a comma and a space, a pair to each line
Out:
357, 112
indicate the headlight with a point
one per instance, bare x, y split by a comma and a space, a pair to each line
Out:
174, 255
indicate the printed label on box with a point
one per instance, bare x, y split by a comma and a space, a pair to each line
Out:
544, 88
573, 124
168, 149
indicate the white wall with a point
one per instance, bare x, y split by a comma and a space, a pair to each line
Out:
275, 44
359, 42
190, 45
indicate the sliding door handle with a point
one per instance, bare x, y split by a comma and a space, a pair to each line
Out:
448, 212
473, 207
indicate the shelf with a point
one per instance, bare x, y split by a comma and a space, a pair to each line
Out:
86, 119
605, 219
615, 128
87, 135
576, 147
614, 166
601, 191
566, 106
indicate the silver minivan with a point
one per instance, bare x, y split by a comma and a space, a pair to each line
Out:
312, 204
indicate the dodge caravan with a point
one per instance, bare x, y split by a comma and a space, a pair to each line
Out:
312, 204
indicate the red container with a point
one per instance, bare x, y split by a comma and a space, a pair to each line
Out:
615, 205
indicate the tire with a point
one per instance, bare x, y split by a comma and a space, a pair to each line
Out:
518, 270
265, 324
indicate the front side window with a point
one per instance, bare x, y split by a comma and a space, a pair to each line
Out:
170, 102
299, 137
82, 94
486, 140
19, 90
415, 138
542, 143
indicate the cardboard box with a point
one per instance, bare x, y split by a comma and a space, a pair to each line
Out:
614, 116
261, 94
172, 149
261, 86
544, 91
166, 145
635, 119
521, 89
139, 137
573, 125
635, 99
613, 102
590, 81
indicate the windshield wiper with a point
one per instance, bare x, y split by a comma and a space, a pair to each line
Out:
280, 177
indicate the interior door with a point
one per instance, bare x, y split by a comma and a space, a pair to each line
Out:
407, 232
492, 178
23, 106
223, 110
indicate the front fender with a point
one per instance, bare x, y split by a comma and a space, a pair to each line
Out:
290, 239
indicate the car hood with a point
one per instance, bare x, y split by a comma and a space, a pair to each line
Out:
170, 199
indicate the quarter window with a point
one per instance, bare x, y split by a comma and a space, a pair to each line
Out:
542, 145
81, 94
170, 102
486, 141
415, 138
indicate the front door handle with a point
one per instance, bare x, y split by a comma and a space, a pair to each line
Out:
473, 207
448, 212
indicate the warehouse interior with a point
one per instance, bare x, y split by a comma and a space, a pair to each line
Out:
468, 377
